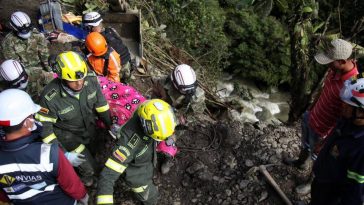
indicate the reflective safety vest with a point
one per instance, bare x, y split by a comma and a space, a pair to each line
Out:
29, 170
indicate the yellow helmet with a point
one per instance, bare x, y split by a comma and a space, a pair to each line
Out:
158, 119
71, 66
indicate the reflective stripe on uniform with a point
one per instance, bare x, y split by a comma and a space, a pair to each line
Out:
355, 176
31, 193
115, 166
49, 138
42, 118
43, 166
79, 149
117, 65
105, 199
139, 189
103, 108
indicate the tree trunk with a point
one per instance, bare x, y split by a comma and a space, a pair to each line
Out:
300, 69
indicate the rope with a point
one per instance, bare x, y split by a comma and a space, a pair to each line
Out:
214, 140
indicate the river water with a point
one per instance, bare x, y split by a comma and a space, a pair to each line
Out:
253, 104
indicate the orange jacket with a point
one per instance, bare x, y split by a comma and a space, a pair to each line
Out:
114, 67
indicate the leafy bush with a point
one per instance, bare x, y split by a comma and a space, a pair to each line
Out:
76, 6
197, 27
260, 47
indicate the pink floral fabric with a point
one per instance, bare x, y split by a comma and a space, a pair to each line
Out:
123, 99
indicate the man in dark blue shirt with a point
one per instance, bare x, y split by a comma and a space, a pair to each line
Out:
339, 168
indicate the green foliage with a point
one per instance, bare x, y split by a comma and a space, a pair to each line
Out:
197, 27
260, 49
85, 6
346, 17
238, 4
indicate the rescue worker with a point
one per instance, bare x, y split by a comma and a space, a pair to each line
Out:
134, 155
74, 100
93, 23
321, 118
338, 170
32, 172
180, 89
14, 75
25, 44
104, 60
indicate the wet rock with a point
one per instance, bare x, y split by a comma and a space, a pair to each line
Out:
263, 196
230, 160
284, 141
274, 159
205, 175
264, 115
226, 202
274, 144
303, 189
185, 183
195, 167
249, 163
227, 172
228, 192
234, 202
241, 196
243, 184
216, 178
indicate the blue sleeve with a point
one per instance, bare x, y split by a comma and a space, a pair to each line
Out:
54, 158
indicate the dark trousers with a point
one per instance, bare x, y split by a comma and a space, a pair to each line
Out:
324, 193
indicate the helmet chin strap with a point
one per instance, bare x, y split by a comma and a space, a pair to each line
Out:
68, 89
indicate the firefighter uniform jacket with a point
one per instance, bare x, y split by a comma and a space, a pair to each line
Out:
112, 61
71, 119
37, 173
133, 156
339, 168
114, 40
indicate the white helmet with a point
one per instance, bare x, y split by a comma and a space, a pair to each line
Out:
92, 19
13, 73
21, 23
184, 79
15, 106
353, 92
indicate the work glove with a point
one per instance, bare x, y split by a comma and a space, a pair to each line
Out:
75, 159
115, 131
53, 36
84, 200
182, 120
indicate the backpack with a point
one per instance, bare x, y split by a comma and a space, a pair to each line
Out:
114, 40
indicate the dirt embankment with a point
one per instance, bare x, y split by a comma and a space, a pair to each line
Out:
217, 163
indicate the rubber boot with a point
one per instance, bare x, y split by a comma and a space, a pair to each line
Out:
166, 165
305, 188
302, 162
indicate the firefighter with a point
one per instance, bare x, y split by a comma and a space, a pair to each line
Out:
74, 101
338, 170
135, 152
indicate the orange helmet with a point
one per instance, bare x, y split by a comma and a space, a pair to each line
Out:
96, 44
